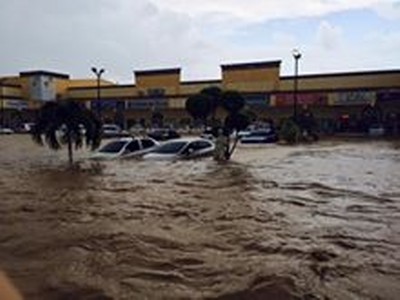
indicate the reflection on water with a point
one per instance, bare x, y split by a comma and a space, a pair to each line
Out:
308, 222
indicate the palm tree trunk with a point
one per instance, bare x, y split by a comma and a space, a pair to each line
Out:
70, 154
230, 151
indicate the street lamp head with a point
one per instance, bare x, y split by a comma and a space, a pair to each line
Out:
98, 72
296, 54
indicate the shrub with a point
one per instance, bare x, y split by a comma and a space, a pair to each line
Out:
290, 132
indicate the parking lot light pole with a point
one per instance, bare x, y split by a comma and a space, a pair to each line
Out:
296, 55
98, 73
2, 102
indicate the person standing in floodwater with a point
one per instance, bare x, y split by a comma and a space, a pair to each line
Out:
221, 145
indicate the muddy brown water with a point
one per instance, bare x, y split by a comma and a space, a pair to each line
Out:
308, 222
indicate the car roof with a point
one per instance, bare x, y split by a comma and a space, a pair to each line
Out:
188, 139
131, 138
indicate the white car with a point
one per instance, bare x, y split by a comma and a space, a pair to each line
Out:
6, 130
183, 148
125, 148
112, 130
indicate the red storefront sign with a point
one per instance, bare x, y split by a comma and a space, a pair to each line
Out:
286, 99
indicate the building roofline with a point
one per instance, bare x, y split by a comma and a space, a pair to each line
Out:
338, 89
274, 92
343, 74
252, 65
102, 87
194, 82
157, 72
45, 73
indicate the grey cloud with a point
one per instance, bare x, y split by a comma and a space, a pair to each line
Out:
68, 36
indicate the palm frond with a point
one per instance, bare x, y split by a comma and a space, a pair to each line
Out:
61, 122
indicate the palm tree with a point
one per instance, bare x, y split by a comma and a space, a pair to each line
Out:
232, 101
214, 93
234, 123
199, 107
202, 104
68, 123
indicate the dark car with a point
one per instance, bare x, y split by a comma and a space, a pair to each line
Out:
163, 134
260, 136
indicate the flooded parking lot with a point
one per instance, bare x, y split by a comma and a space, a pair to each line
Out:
307, 222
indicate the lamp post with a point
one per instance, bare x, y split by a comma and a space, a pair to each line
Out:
2, 102
296, 55
98, 73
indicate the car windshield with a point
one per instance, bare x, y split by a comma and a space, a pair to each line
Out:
171, 148
113, 147
259, 133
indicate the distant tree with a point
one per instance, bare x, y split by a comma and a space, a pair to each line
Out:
250, 114
68, 123
290, 131
199, 107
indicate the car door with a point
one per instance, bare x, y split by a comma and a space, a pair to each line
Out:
203, 148
198, 149
147, 145
132, 149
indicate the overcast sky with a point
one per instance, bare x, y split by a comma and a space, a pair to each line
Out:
196, 35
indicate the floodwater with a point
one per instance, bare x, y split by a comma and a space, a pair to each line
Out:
315, 221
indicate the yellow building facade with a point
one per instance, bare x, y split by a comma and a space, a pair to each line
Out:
268, 94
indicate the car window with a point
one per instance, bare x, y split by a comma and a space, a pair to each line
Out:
171, 148
113, 147
146, 143
133, 146
259, 133
198, 145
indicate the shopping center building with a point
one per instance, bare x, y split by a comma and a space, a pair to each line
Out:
337, 100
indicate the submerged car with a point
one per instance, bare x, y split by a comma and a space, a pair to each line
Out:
126, 148
184, 148
260, 136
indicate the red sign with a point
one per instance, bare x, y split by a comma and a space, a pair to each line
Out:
287, 99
